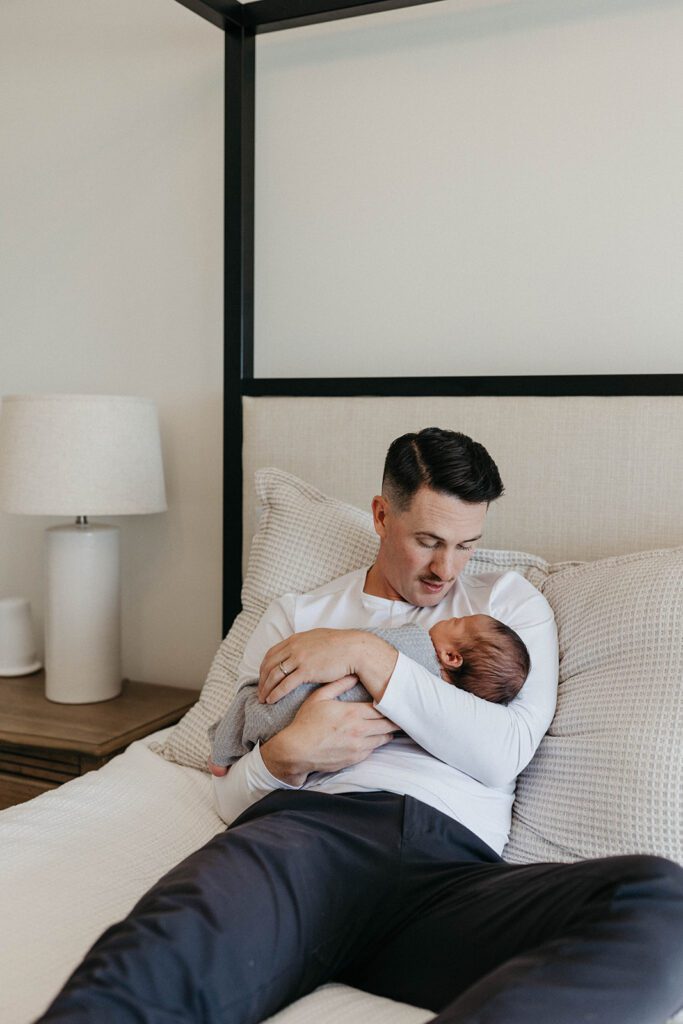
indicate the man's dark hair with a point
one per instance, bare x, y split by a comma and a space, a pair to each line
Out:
443, 460
494, 666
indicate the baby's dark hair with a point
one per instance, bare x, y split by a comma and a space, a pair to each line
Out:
494, 666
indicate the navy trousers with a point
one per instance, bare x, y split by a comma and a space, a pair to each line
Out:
386, 894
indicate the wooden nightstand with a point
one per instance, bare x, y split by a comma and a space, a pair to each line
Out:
43, 744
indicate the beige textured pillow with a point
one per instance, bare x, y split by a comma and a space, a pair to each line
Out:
608, 776
304, 539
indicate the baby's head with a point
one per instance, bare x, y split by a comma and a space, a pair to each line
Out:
480, 654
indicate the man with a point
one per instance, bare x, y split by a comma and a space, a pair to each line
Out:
382, 869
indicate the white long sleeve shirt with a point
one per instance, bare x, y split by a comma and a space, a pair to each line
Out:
461, 754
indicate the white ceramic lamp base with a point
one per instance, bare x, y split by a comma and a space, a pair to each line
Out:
82, 614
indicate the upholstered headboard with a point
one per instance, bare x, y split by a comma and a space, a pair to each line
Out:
585, 477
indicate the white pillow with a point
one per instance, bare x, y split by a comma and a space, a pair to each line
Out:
304, 539
608, 776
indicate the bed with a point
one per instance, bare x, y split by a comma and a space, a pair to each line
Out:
591, 516
77, 858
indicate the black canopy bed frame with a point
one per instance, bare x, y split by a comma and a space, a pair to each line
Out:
241, 23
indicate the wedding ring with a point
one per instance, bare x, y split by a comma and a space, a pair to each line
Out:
284, 670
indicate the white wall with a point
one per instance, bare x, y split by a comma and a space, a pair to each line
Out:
472, 187
466, 187
111, 281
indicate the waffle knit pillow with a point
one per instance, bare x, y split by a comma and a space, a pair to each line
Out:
608, 776
304, 539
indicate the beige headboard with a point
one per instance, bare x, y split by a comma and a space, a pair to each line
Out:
584, 477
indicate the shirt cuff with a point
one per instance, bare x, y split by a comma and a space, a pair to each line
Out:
258, 775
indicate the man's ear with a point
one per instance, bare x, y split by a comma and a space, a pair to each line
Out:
452, 658
380, 508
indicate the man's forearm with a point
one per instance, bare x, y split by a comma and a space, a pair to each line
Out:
374, 661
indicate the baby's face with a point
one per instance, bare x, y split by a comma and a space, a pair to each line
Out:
449, 635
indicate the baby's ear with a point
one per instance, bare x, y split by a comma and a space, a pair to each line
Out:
452, 658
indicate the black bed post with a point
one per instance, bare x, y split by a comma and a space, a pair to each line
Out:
239, 294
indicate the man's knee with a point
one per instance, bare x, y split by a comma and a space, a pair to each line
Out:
652, 887
643, 895
657, 870
647, 891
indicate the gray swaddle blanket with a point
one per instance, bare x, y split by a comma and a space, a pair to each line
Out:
246, 721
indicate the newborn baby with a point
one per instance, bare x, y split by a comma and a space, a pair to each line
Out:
474, 652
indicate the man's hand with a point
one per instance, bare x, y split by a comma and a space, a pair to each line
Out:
316, 656
218, 770
326, 735
323, 656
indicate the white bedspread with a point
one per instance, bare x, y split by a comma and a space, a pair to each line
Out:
76, 859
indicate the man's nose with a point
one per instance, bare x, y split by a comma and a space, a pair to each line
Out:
444, 566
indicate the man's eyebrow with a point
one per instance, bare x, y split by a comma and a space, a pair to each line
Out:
435, 536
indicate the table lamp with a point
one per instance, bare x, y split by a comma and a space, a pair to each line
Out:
81, 456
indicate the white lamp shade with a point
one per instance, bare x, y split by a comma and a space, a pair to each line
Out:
80, 455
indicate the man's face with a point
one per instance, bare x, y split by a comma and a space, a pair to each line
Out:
425, 548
